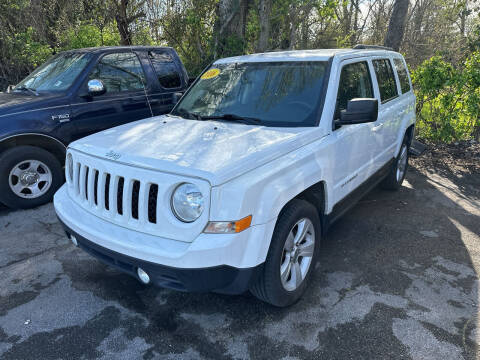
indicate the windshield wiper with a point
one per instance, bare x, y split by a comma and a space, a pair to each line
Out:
30, 90
232, 117
187, 114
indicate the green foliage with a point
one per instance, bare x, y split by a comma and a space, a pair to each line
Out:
88, 35
447, 86
28, 49
448, 99
142, 36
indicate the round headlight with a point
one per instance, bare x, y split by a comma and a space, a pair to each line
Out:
70, 166
187, 202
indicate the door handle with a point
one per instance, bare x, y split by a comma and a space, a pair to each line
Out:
378, 127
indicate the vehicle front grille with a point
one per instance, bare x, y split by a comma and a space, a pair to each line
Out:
101, 190
133, 197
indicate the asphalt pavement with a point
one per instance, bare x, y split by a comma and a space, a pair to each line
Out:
397, 279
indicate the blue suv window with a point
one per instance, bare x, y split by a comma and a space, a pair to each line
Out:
119, 72
166, 69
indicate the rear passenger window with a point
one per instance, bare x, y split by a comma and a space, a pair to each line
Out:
355, 82
386, 79
402, 75
166, 69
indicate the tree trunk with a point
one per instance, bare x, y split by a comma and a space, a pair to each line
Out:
264, 9
122, 23
125, 15
396, 26
231, 22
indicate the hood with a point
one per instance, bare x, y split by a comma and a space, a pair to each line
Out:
17, 102
212, 150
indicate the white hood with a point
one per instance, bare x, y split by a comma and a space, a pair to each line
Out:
212, 150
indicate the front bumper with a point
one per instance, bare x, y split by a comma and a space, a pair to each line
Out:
223, 279
212, 262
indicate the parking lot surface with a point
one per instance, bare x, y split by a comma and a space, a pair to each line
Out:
397, 279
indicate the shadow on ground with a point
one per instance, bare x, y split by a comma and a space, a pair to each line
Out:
397, 279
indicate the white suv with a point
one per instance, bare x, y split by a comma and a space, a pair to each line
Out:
233, 190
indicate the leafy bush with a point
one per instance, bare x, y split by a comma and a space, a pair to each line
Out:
88, 35
448, 99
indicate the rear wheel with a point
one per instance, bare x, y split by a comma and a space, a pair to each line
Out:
292, 255
399, 169
29, 176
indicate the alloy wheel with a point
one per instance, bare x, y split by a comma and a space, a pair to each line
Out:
297, 254
402, 163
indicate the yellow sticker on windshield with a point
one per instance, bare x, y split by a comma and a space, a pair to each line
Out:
210, 74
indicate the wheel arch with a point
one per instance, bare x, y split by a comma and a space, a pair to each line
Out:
46, 142
316, 195
409, 134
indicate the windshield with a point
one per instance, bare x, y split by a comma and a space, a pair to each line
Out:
57, 74
274, 93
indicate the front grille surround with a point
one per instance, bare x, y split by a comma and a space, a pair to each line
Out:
133, 197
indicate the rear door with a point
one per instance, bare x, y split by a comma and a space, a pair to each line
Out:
124, 100
390, 107
169, 80
356, 145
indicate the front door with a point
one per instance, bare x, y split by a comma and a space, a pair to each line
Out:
356, 146
124, 100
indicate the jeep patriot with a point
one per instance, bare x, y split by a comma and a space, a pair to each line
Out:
234, 189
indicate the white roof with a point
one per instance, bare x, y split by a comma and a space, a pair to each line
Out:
302, 55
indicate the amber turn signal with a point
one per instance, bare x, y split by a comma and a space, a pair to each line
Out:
228, 227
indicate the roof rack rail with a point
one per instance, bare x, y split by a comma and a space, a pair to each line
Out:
371, 47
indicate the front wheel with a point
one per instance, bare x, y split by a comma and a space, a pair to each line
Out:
292, 255
29, 176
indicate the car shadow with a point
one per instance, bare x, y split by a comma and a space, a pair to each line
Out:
396, 277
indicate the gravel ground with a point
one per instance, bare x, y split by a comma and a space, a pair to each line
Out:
397, 279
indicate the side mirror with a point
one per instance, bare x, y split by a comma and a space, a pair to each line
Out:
95, 87
176, 97
359, 111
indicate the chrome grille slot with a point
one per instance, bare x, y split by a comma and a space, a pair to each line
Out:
135, 195
152, 203
120, 184
107, 192
86, 182
82, 184
95, 188
76, 177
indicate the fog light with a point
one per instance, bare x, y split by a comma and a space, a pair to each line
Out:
74, 240
143, 276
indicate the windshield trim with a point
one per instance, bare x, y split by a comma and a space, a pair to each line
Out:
319, 106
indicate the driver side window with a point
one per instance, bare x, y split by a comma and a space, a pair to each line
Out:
119, 72
355, 82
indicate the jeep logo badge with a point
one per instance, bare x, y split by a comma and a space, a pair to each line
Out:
113, 155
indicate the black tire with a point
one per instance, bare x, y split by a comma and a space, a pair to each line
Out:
13, 156
393, 181
268, 287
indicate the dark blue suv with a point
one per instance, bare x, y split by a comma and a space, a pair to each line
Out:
74, 94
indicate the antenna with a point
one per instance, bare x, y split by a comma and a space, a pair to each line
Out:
143, 84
